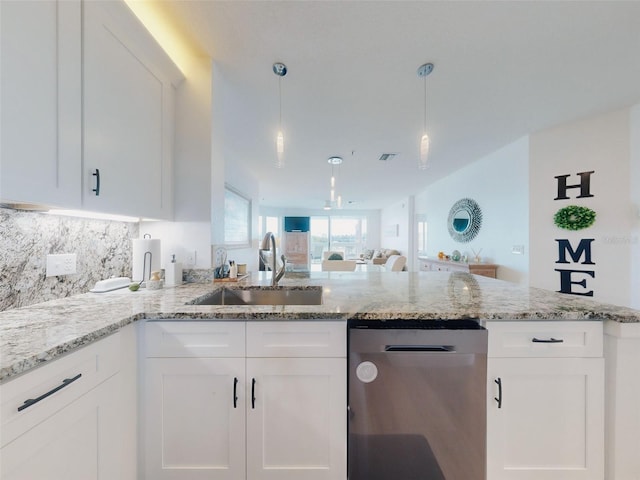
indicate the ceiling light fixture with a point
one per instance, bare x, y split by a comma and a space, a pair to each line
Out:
334, 200
423, 72
280, 69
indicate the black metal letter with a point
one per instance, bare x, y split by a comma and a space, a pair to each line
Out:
584, 186
584, 247
566, 282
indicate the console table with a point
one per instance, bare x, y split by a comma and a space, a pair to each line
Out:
437, 265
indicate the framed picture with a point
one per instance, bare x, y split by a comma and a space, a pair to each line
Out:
392, 230
237, 218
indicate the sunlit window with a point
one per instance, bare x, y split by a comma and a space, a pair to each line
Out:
347, 235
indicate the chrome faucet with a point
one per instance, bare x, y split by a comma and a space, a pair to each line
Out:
269, 244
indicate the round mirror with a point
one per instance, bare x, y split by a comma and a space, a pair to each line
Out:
461, 221
465, 219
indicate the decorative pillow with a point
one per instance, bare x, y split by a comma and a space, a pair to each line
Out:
335, 256
377, 254
367, 254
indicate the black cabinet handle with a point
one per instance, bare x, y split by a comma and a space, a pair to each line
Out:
32, 401
253, 393
549, 340
235, 392
499, 397
97, 175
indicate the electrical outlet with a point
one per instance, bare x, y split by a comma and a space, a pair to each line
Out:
192, 256
61, 264
517, 249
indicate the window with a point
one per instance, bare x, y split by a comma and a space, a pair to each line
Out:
237, 218
422, 236
342, 234
268, 224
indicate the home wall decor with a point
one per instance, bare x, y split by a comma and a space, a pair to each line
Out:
574, 217
573, 281
465, 220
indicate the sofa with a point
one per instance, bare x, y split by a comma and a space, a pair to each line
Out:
334, 262
378, 256
395, 263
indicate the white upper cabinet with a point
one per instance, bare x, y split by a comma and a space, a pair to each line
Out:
40, 97
128, 109
87, 98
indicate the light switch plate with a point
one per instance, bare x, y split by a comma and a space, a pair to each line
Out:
517, 249
61, 264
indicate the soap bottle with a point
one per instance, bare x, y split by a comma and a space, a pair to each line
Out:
233, 270
173, 272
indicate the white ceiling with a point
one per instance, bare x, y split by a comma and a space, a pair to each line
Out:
502, 70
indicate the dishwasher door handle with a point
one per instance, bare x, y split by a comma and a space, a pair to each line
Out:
419, 348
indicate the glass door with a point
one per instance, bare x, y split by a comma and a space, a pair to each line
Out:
319, 230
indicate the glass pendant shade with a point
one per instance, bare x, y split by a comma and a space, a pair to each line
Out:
280, 149
423, 72
280, 70
424, 151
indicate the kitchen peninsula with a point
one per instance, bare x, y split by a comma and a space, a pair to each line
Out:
37, 335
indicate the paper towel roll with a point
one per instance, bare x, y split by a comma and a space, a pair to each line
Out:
140, 248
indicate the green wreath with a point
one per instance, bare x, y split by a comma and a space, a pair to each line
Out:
574, 217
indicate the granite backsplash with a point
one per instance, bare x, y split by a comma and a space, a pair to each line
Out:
103, 249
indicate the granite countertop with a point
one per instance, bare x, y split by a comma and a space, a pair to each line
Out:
36, 334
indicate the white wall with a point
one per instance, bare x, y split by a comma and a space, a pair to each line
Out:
244, 182
226, 170
395, 227
499, 184
634, 178
601, 144
189, 236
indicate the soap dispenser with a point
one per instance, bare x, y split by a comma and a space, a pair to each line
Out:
173, 272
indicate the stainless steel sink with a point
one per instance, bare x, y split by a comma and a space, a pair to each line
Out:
262, 296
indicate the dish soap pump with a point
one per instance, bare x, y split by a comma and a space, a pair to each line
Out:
173, 272
233, 270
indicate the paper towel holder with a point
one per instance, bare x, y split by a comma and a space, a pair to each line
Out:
144, 264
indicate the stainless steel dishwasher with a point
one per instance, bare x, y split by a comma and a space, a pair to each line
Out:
417, 400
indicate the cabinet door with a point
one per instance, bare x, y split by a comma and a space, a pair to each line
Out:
79, 442
40, 97
296, 418
550, 423
195, 429
128, 115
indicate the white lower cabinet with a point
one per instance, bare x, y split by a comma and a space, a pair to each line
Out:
296, 418
195, 427
545, 418
75, 433
217, 410
80, 442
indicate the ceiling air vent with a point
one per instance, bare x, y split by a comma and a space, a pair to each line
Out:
387, 156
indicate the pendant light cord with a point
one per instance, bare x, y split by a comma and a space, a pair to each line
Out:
280, 103
425, 104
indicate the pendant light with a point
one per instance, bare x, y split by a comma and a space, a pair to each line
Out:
280, 69
423, 72
334, 199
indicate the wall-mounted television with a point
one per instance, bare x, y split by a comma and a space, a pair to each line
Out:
296, 224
